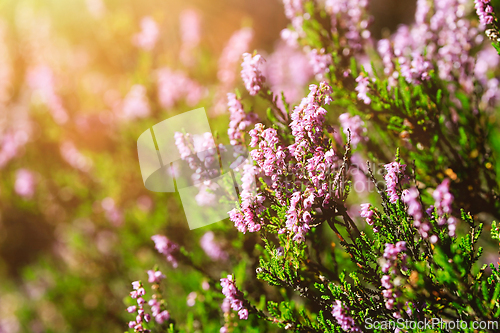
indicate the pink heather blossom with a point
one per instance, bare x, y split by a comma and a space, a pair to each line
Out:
174, 86
308, 119
190, 26
391, 254
443, 197
141, 317
74, 158
234, 296
166, 247
484, 11
341, 314
229, 62
42, 81
287, 70
212, 248
356, 126
350, 16
155, 276
231, 55
113, 214
10, 142
411, 198
239, 120
393, 178
417, 70
367, 213
443, 201
362, 88
162, 317
252, 72
25, 183
135, 104
191, 298
320, 62
149, 34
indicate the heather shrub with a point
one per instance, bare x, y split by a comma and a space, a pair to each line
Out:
367, 195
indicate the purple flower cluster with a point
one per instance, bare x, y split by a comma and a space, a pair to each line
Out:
239, 121
341, 314
362, 88
41, 80
174, 86
367, 213
393, 178
443, 201
298, 216
392, 253
211, 248
160, 315
307, 120
234, 296
149, 34
288, 70
416, 70
135, 104
200, 153
356, 127
320, 62
142, 317
246, 218
484, 11
25, 183
166, 247
252, 72
411, 198
350, 16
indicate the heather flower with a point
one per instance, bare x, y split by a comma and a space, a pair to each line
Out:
155, 276
191, 298
362, 88
320, 62
234, 296
443, 198
484, 11
113, 214
10, 142
391, 254
252, 72
74, 158
239, 120
174, 86
211, 248
25, 183
166, 247
411, 198
287, 70
341, 314
367, 213
356, 127
308, 118
135, 104
393, 178
148, 36
190, 35
231, 55
42, 81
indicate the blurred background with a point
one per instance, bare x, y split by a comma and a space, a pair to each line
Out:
79, 82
